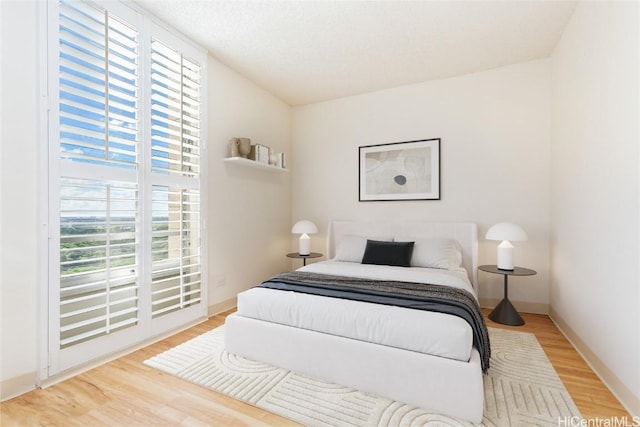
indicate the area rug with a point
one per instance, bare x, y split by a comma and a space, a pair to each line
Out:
521, 388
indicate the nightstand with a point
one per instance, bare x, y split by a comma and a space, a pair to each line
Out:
304, 257
505, 312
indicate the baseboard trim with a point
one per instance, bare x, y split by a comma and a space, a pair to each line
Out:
626, 397
521, 306
16, 386
222, 306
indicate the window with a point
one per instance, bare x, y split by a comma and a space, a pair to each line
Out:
125, 181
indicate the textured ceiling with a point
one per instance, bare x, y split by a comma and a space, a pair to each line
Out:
310, 51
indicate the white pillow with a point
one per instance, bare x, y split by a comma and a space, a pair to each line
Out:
351, 248
435, 253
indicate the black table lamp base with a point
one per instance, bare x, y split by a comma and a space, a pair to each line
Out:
506, 314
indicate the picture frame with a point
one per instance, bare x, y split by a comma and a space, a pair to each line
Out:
408, 170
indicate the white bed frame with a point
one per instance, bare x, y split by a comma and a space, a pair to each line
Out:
436, 384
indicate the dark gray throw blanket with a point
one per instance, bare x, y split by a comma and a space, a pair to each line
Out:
419, 296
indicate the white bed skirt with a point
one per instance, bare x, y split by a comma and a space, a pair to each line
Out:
435, 384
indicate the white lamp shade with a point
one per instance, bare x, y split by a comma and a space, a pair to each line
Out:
506, 232
304, 227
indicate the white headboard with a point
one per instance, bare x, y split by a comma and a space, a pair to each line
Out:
466, 233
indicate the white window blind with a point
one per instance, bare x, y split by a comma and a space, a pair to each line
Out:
98, 126
175, 150
98, 87
175, 106
176, 249
98, 263
125, 181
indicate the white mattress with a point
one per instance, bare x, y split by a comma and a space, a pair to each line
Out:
427, 332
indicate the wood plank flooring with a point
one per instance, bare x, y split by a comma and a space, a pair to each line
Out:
591, 396
127, 393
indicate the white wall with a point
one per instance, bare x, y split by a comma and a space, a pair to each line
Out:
18, 220
595, 284
249, 210
495, 129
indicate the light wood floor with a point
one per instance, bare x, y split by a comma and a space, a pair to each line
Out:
127, 393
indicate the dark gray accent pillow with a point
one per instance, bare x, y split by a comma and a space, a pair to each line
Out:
388, 253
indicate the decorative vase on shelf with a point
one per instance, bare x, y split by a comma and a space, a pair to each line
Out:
235, 147
244, 147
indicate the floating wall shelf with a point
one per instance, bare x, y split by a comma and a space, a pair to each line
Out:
253, 164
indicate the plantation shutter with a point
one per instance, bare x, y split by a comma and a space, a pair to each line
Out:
176, 249
98, 280
98, 87
175, 148
175, 106
99, 135
126, 203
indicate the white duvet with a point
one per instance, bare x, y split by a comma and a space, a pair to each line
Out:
422, 331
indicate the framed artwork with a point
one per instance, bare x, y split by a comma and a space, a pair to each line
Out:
400, 171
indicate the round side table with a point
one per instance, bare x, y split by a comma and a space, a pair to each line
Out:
304, 257
505, 312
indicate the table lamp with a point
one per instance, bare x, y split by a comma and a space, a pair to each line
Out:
507, 232
304, 228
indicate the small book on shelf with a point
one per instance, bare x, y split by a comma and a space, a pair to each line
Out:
259, 153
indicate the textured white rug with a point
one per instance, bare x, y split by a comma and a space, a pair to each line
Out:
521, 388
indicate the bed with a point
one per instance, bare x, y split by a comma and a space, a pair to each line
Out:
431, 360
